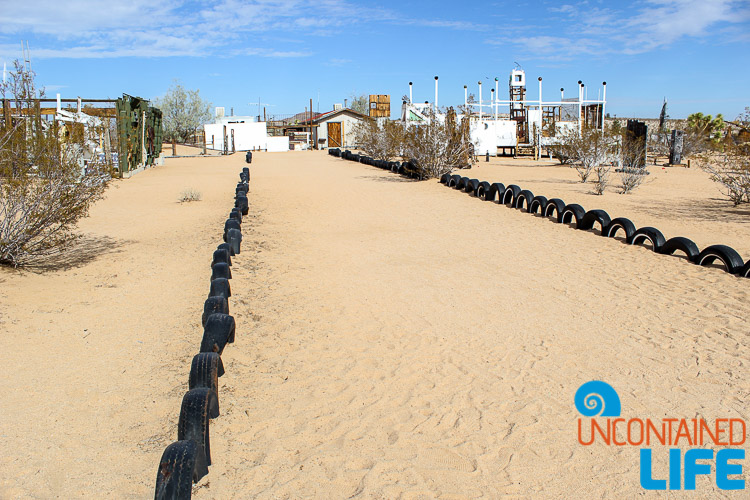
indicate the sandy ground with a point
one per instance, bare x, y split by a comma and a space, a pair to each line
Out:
396, 339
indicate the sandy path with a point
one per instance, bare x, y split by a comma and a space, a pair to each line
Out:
395, 339
411, 341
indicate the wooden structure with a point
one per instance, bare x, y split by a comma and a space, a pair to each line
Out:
380, 106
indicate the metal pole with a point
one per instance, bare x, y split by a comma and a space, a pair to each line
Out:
494, 109
580, 105
466, 97
480, 100
604, 103
436, 95
497, 95
411, 100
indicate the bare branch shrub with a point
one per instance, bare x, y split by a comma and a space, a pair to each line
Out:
601, 178
189, 195
43, 189
731, 169
632, 171
382, 141
439, 147
589, 149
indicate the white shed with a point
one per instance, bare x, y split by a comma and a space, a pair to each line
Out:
335, 129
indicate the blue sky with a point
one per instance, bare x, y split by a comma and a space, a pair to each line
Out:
696, 53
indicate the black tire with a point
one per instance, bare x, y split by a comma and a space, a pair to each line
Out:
453, 180
684, 245
745, 271
221, 256
539, 203
555, 207
461, 185
236, 214
592, 217
620, 223
445, 178
221, 270
243, 186
218, 332
727, 255
197, 406
571, 211
246, 170
228, 248
231, 224
214, 305
497, 190
242, 203
220, 288
244, 177
205, 371
234, 238
482, 190
182, 464
651, 234
471, 186
524, 196
510, 195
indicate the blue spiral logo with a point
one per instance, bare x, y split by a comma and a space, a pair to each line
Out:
597, 399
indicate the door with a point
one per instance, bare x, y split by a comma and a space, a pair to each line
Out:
334, 134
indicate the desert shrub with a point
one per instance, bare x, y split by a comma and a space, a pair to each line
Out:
632, 171
590, 149
381, 140
439, 147
44, 191
731, 169
189, 195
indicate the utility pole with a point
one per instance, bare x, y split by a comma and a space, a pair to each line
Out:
312, 144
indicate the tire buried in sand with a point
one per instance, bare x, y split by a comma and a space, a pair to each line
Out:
197, 406
727, 255
650, 234
182, 464
684, 245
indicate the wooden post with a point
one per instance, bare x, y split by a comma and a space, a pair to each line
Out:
174, 147
204, 141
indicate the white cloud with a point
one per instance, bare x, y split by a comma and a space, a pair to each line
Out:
585, 29
145, 28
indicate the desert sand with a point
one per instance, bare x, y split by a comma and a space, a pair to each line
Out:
395, 339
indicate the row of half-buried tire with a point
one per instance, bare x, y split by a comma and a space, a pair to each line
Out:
515, 197
186, 461
408, 169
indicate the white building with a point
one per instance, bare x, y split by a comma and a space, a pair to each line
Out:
242, 133
336, 129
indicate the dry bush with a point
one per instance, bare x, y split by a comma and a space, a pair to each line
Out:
382, 141
601, 178
43, 190
731, 169
189, 195
632, 172
439, 147
589, 149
